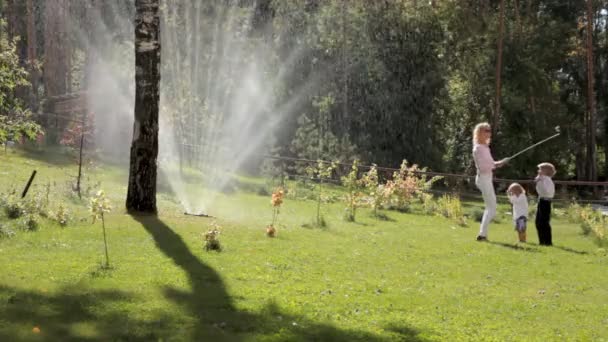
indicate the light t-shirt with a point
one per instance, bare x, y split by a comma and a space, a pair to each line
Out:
520, 206
545, 187
483, 159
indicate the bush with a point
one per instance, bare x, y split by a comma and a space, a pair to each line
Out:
451, 207
6, 232
407, 185
428, 203
14, 209
477, 214
61, 215
591, 221
31, 222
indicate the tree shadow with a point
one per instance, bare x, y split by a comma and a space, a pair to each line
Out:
217, 317
57, 314
50, 155
514, 246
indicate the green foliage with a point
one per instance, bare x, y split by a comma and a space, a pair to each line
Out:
591, 221
379, 194
212, 238
321, 173
450, 207
6, 232
31, 222
99, 205
15, 121
61, 215
352, 183
13, 207
408, 184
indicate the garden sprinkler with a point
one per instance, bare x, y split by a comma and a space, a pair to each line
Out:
198, 215
533, 146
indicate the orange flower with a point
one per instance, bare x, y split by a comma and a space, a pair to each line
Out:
277, 197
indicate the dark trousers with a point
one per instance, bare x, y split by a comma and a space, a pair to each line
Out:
543, 222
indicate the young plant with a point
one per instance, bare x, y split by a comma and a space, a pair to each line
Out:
410, 183
62, 215
321, 172
353, 188
14, 208
211, 238
100, 205
451, 207
277, 199
379, 194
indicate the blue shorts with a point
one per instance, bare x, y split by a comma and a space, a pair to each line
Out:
520, 224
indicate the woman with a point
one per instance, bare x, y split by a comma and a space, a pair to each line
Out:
485, 165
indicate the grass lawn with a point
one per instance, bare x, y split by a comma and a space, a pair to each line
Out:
411, 278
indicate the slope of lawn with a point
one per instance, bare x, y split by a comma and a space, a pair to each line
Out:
408, 278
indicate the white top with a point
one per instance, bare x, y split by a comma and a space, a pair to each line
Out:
520, 206
483, 159
545, 187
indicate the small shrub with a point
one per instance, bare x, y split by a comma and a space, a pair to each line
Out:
276, 201
31, 222
99, 205
379, 194
451, 207
6, 232
573, 213
14, 209
477, 214
211, 239
429, 206
61, 215
353, 196
409, 184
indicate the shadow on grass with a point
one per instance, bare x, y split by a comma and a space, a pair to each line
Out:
514, 246
217, 318
72, 314
563, 248
51, 155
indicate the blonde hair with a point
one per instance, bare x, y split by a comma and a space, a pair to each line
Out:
517, 186
477, 132
547, 168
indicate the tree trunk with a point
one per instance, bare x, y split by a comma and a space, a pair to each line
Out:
55, 54
591, 122
518, 19
141, 194
345, 116
32, 42
501, 30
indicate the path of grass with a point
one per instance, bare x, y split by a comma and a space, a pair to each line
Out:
414, 278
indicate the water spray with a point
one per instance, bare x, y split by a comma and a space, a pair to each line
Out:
557, 129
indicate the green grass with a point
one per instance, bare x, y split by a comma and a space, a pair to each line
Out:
409, 278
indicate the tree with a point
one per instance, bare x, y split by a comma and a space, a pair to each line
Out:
501, 33
32, 41
591, 120
141, 193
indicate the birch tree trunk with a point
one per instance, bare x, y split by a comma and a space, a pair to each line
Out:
141, 194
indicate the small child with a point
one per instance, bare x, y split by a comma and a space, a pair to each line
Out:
546, 190
517, 197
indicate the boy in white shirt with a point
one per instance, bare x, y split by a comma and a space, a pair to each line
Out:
546, 190
517, 197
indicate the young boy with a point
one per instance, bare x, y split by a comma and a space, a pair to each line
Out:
546, 190
517, 197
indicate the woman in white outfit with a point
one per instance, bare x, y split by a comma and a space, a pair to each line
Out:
485, 165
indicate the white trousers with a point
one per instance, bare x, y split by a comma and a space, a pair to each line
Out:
484, 183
